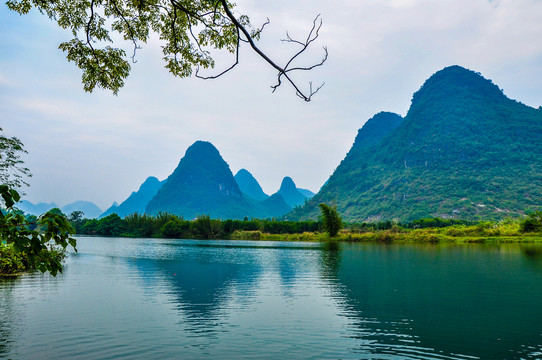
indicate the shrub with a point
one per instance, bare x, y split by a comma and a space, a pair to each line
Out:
11, 262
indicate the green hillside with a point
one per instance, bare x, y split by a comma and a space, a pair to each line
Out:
464, 150
203, 184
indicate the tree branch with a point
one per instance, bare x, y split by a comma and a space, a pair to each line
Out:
282, 71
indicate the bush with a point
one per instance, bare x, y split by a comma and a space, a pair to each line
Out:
246, 235
11, 262
533, 223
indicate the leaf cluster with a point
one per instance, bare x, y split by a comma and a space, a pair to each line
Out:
187, 27
43, 246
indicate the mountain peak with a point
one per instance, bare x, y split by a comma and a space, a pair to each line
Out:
202, 147
150, 182
249, 185
137, 201
287, 184
202, 183
290, 193
456, 82
377, 127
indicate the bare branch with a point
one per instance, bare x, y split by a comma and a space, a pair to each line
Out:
282, 71
257, 32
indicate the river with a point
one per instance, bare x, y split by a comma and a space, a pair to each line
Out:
217, 299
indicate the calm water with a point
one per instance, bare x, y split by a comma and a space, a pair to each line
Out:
156, 299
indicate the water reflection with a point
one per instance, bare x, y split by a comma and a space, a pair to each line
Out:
8, 315
409, 301
440, 300
201, 281
533, 255
331, 259
150, 298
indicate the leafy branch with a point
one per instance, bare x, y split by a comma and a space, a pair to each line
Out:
188, 28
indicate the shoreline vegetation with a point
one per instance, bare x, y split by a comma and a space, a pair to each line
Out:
163, 225
431, 230
13, 263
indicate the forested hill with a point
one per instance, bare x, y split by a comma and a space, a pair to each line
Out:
464, 150
203, 184
289, 192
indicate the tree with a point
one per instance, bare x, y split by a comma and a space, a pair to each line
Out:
533, 223
189, 29
40, 246
76, 216
12, 170
331, 220
206, 228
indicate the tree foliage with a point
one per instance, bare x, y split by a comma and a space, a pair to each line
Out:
189, 29
41, 248
331, 221
12, 169
533, 223
38, 244
172, 226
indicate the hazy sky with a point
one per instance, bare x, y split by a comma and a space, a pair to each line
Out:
100, 147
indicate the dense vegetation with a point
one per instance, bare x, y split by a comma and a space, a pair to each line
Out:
172, 226
328, 226
28, 243
464, 151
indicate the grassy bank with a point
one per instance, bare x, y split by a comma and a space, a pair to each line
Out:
485, 232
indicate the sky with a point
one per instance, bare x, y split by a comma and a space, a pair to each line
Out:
100, 147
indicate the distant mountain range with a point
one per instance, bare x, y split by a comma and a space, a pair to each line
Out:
203, 184
464, 150
89, 209
138, 200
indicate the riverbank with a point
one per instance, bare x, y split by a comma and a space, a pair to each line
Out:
480, 233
